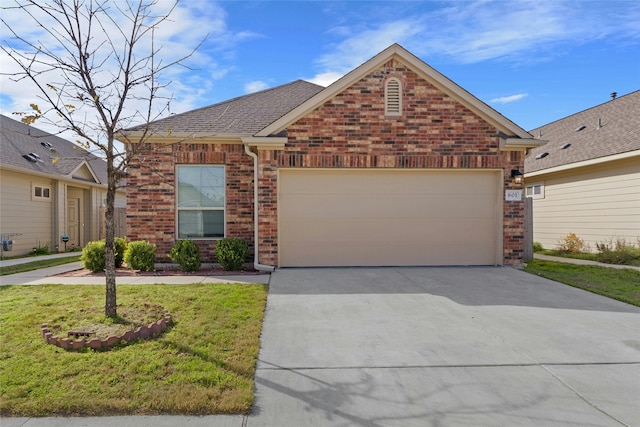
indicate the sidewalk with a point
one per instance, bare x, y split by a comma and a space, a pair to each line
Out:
24, 260
581, 261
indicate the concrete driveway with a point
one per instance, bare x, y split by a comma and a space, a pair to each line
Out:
443, 347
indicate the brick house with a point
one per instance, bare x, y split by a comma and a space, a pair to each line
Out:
393, 164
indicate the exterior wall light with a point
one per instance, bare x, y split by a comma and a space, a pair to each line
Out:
516, 176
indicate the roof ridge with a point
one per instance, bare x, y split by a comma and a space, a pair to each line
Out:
585, 110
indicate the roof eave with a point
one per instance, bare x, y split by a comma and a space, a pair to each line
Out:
520, 144
136, 137
434, 77
576, 165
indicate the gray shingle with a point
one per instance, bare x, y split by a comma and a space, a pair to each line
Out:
245, 115
619, 132
18, 139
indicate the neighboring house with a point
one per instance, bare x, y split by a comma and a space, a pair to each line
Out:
586, 179
42, 200
393, 164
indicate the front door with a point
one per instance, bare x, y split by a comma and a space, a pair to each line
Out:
73, 223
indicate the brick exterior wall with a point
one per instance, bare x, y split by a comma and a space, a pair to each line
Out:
151, 210
349, 131
352, 131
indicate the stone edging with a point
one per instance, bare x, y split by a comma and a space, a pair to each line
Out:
143, 332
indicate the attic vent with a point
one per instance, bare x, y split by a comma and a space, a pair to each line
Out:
542, 155
32, 157
46, 144
393, 97
580, 128
565, 146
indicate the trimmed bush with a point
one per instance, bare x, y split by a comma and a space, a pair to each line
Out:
93, 256
120, 249
537, 247
232, 253
140, 255
186, 254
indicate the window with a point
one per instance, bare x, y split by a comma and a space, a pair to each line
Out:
41, 193
392, 97
535, 191
200, 202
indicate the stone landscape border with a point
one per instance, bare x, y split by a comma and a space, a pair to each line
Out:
143, 332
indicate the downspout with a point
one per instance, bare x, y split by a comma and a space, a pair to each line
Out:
256, 264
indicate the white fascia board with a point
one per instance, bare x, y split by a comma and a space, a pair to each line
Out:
63, 178
430, 74
520, 144
85, 163
591, 162
265, 142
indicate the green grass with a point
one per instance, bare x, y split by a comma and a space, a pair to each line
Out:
621, 284
203, 364
34, 265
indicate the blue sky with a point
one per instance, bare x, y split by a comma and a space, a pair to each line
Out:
533, 61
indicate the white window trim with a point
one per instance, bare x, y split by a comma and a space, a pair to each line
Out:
43, 190
223, 209
532, 188
391, 98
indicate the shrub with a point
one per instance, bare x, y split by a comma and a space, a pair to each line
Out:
232, 253
120, 249
140, 255
571, 244
93, 256
41, 249
537, 247
186, 254
618, 252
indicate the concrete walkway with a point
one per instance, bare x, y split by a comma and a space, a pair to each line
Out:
582, 262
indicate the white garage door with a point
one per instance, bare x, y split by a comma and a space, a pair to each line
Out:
376, 217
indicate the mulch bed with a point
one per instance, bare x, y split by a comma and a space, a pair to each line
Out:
163, 271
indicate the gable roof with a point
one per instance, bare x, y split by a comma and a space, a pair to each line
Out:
238, 117
18, 139
608, 129
396, 51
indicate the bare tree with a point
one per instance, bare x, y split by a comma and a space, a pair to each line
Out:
104, 69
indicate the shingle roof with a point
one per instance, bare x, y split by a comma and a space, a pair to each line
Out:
604, 130
245, 115
18, 139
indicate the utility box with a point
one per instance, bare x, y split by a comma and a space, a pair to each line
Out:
7, 245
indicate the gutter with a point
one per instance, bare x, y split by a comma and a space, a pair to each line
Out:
256, 264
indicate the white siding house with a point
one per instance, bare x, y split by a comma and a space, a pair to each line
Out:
42, 200
586, 179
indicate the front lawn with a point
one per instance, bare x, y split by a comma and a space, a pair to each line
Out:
621, 284
203, 364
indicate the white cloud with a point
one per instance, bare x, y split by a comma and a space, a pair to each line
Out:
255, 86
325, 79
481, 30
508, 99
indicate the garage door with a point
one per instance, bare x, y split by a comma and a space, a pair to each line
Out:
378, 217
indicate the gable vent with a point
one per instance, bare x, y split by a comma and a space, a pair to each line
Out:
393, 97
542, 155
565, 146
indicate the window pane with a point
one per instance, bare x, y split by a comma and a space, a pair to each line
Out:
537, 189
194, 224
45, 193
201, 186
38, 192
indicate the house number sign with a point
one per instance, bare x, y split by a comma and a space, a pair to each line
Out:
513, 195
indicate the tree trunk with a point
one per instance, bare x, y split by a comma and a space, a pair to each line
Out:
110, 307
